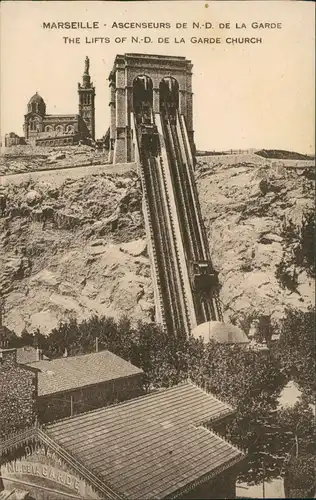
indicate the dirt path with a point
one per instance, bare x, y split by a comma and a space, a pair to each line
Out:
59, 175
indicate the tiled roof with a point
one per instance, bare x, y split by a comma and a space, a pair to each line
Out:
27, 354
151, 446
65, 374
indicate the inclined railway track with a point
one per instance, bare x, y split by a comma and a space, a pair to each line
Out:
174, 223
183, 307
189, 211
166, 259
150, 230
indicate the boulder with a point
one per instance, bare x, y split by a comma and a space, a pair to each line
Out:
33, 197
97, 250
96, 243
268, 238
135, 248
47, 278
58, 156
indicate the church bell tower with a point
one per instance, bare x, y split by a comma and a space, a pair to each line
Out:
86, 92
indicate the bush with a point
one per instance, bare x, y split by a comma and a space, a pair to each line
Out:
300, 478
296, 349
307, 248
286, 276
303, 240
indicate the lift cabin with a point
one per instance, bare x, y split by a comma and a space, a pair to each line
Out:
149, 138
204, 278
169, 98
143, 99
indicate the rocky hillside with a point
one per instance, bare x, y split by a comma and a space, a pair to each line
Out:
22, 159
79, 247
73, 250
248, 211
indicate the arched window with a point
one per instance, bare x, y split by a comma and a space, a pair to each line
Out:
169, 96
143, 98
33, 125
59, 129
70, 129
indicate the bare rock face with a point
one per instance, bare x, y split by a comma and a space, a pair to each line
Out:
79, 247
67, 257
245, 208
135, 248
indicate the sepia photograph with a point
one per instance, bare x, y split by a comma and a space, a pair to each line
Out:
157, 250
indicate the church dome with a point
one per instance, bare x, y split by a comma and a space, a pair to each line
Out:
221, 333
36, 105
36, 98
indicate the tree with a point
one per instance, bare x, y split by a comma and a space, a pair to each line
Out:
297, 429
300, 480
295, 349
65, 336
250, 381
305, 252
27, 338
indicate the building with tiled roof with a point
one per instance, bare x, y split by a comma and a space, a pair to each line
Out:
154, 447
75, 384
75, 372
29, 354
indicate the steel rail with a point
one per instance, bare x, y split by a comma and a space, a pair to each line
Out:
150, 233
168, 200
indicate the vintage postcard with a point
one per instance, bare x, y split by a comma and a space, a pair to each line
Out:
157, 273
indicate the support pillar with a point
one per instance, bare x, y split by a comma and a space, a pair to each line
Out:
120, 115
156, 107
112, 121
182, 102
128, 131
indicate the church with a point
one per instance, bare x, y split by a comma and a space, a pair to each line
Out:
42, 129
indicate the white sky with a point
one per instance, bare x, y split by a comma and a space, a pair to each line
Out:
259, 95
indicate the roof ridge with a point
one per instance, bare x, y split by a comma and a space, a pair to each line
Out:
138, 398
217, 434
115, 405
81, 355
209, 393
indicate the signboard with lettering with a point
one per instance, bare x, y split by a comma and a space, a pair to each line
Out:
42, 472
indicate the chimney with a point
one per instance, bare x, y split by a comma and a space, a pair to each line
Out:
39, 354
8, 357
